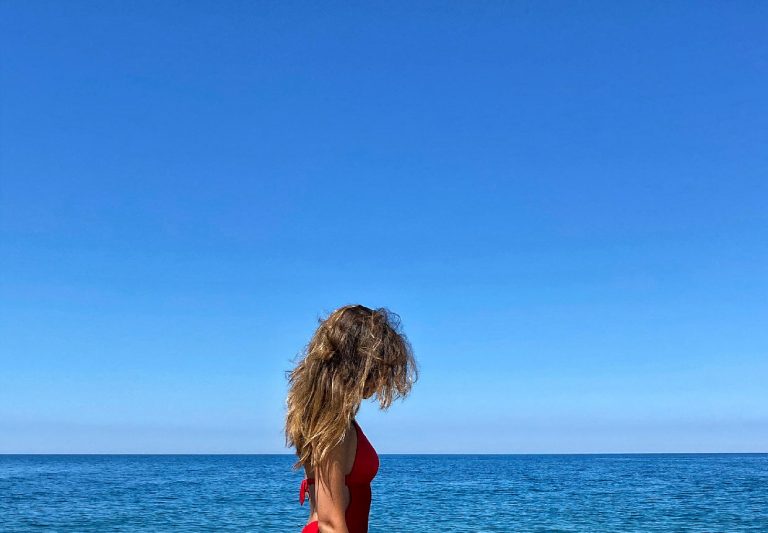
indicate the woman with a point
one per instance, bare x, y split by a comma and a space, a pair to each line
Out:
355, 353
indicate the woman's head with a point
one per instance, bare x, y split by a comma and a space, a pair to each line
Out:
355, 353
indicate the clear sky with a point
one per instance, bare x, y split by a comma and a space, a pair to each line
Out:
565, 202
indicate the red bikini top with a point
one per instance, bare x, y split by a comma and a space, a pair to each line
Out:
364, 466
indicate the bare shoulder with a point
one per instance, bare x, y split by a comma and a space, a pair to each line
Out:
342, 456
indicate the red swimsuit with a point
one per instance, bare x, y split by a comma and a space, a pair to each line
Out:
358, 481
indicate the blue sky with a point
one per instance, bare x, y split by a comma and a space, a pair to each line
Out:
565, 202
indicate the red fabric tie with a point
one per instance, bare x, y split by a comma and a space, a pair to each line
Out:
305, 483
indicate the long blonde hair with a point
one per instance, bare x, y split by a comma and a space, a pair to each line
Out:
353, 351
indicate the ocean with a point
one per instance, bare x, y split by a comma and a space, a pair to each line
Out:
411, 494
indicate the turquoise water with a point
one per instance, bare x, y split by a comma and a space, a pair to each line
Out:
412, 493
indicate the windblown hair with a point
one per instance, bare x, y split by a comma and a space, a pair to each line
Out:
353, 351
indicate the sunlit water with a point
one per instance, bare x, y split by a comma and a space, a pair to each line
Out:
412, 493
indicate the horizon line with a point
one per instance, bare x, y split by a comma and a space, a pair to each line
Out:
247, 454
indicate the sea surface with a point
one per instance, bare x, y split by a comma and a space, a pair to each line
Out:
412, 493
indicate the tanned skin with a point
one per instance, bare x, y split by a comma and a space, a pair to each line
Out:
329, 495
